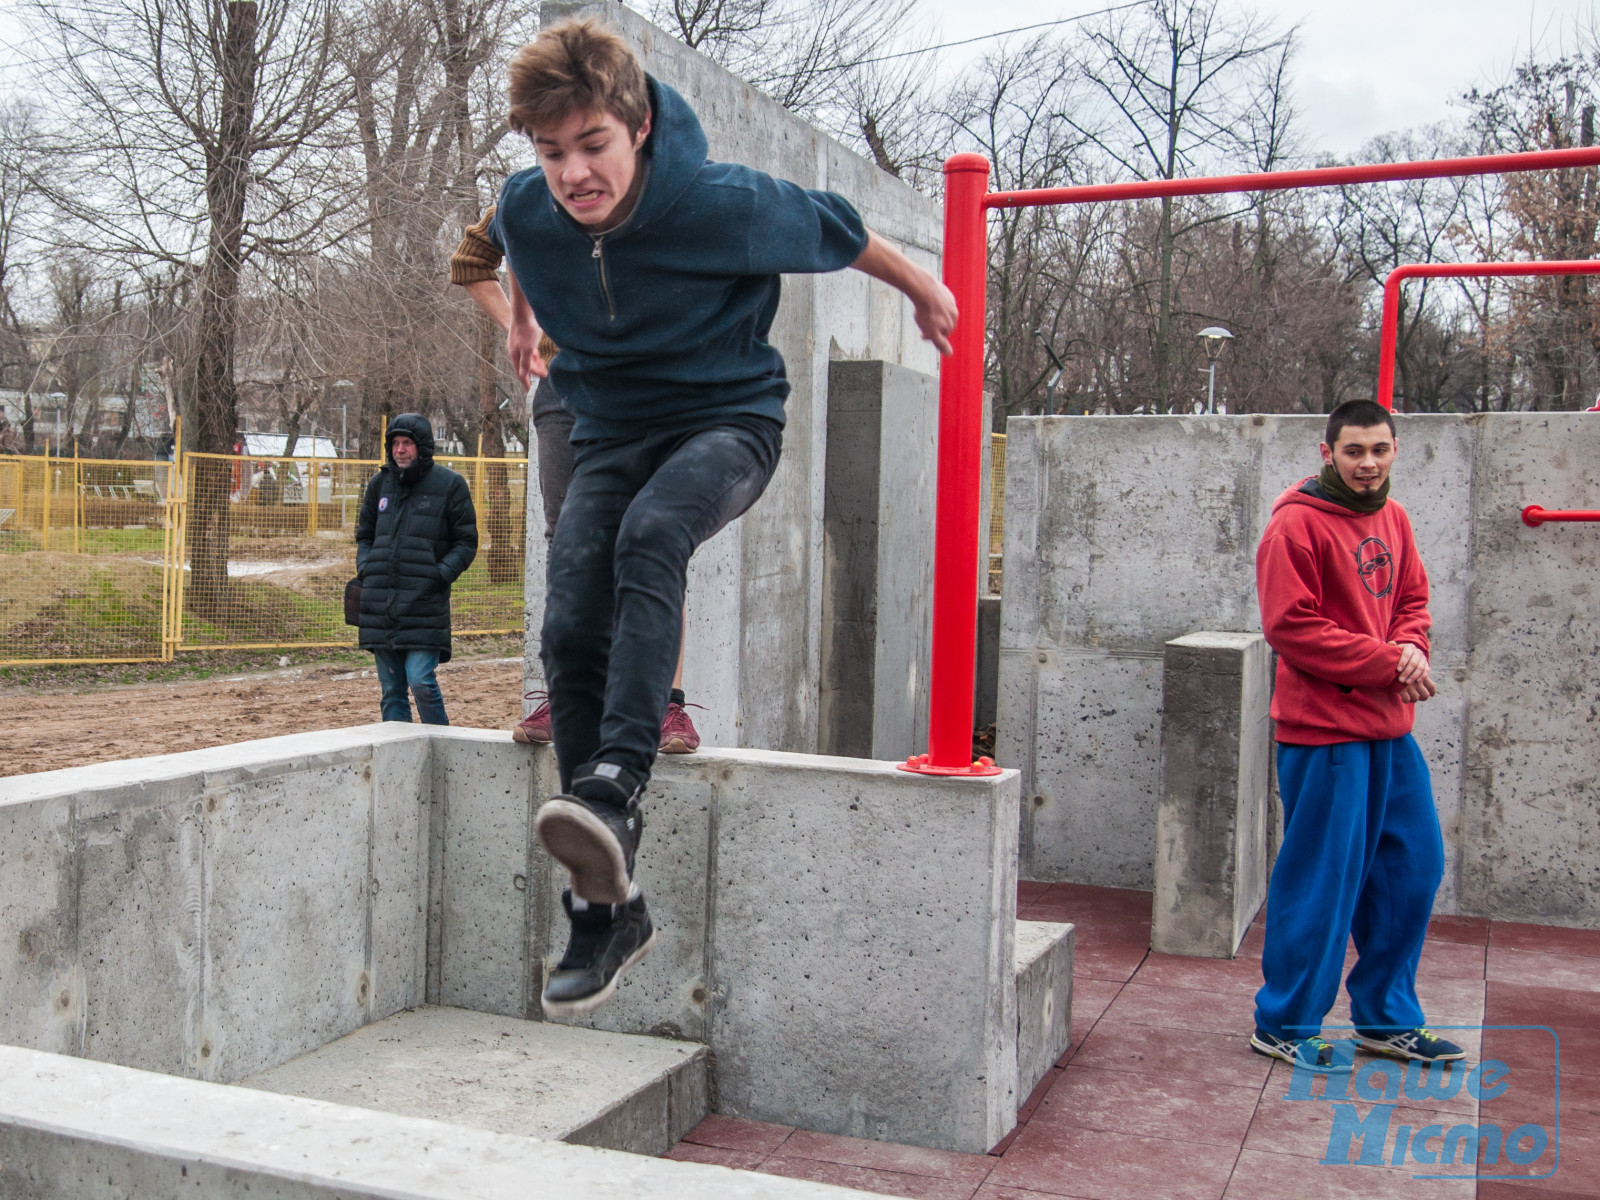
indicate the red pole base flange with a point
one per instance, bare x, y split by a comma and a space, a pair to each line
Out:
919, 764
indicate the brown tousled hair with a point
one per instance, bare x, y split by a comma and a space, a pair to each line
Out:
576, 66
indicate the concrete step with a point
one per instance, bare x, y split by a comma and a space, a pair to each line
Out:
532, 1078
1044, 999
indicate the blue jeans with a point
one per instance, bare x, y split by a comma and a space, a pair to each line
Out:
1362, 858
400, 669
613, 614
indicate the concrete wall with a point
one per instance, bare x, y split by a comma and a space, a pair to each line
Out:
841, 934
878, 525
1125, 532
755, 591
214, 913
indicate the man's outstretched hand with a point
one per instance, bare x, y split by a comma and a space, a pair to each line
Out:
936, 315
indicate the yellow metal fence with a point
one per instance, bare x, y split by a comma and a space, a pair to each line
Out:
109, 561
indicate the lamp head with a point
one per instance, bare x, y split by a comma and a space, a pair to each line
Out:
1215, 338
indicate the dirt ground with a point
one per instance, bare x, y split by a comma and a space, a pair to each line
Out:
46, 731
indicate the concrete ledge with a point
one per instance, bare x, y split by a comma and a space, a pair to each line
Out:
1044, 998
1211, 825
78, 1129
219, 913
609, 1090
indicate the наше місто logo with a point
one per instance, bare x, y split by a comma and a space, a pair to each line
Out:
1496, 1118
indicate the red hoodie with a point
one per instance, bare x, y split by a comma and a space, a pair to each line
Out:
1336, 587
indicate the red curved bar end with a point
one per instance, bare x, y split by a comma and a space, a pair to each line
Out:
966, 161
1533, 515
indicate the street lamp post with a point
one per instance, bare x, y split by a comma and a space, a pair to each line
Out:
1215, 337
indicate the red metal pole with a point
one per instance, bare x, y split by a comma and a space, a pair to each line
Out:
1277, 181
1536, 516
955, 566
1389, 331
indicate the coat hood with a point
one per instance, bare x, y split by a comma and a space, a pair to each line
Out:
414, 426
675, 151
1294, 495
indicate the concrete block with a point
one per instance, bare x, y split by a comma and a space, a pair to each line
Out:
509, 1076
878, 573
1096, 768
986, 686
402, 791
485, 783
286, 889
1044, 999
70, 1127
41, 986
826, 1014
1529, 815
142, 926
1211, 824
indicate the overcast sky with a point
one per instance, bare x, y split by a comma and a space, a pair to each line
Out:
1365, 67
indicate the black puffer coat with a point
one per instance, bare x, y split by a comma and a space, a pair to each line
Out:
416, 534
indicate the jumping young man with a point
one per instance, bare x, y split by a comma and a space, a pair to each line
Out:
657, 273
1344, 602
475, 265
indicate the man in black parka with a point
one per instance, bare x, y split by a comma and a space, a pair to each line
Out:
416, 534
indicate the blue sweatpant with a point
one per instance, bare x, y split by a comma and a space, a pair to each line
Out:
1361, 857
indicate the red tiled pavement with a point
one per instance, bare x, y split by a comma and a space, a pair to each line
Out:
1160, 1096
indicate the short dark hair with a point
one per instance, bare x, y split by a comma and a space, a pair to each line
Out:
576, 66
1363, 414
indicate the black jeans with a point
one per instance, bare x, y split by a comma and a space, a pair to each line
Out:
613, 616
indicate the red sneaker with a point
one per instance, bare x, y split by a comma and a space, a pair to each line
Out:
678, 735
535, 727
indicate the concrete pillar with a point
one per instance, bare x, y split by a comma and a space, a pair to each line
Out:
878, 500
1211, 820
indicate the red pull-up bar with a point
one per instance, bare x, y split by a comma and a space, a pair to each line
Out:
1535, 516
1390, 325
955, 571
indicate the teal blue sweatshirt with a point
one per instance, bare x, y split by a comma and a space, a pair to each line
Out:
663, 321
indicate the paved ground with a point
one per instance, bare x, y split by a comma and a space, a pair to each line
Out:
1158, 1095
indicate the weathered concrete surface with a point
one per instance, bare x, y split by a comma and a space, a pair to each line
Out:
755, 590
216, 912
878, 569
510, 1076
1044, 998
92, 1131
1125, 532
1211, 826
765, 873
820, 1014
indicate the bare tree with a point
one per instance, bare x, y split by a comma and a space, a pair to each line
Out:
1178, 83
25, 159
204, 142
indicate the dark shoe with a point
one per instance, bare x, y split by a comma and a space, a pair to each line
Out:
678, 734
595, 839
1307, 1054
1417, 1044
605, 942
535, 727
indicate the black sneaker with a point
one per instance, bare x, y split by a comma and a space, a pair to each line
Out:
1306, 1054
593, 834
1417, 1044
606, 941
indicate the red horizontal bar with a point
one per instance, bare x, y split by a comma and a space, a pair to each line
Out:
1389, 324
1277, 181
1536, 516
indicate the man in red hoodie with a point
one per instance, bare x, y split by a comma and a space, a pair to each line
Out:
1344, 602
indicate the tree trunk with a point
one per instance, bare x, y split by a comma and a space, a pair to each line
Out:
216, 396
